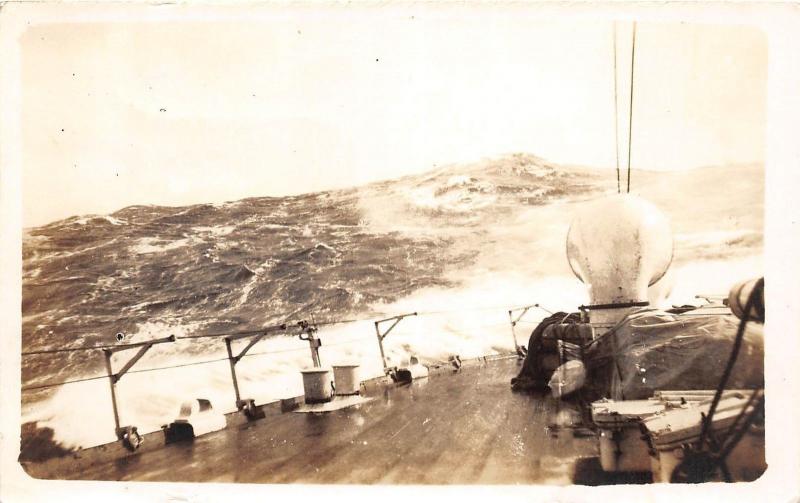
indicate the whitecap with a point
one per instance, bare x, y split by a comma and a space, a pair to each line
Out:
154, 245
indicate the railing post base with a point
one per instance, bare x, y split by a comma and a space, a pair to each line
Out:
130, 437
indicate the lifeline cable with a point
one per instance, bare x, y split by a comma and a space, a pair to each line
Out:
113, 346
52, 385
339, 322
67, 350
153, 369
289, 326
203, 362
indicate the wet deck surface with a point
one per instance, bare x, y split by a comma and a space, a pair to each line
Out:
461, 428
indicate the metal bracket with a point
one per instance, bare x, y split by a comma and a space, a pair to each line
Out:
113, 378
233, 360
382, 336
514, 322
313, 342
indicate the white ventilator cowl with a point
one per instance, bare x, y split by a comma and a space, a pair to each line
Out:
619, 246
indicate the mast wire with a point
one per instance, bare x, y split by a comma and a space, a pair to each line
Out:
630, 109
616, 107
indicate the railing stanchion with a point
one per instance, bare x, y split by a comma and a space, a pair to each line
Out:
128, 434
232, 364
382, 336
524, 309
245, 405
113, 385
380, 344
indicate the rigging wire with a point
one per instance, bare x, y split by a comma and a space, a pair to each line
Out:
630, 109
616, 117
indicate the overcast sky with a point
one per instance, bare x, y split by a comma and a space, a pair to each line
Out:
177, 113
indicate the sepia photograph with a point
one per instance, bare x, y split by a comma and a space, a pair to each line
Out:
404, 244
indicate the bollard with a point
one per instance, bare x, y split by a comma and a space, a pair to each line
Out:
317, 385
346, 379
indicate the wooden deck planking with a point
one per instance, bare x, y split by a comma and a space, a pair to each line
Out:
460, 428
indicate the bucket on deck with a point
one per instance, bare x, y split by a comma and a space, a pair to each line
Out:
317, 385
346, 379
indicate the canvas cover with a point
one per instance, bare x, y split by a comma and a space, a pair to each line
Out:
543, 349
567, 378
655, 350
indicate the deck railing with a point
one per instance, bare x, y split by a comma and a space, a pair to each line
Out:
304, 329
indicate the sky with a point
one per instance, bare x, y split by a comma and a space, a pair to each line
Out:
173, 113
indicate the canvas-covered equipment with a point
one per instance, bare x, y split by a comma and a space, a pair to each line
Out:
567, 378
557, 337
652, 349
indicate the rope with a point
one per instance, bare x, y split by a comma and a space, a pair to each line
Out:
733, 439
733, 428
737, 344
630, 111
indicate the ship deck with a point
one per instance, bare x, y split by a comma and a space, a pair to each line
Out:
464, 427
